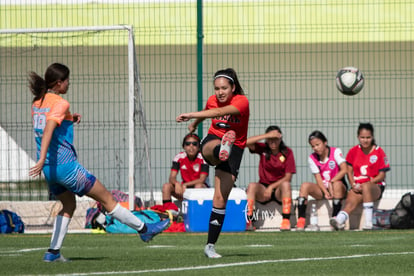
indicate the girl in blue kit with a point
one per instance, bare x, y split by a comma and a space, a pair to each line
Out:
53, 130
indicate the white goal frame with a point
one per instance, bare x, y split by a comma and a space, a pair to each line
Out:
134, 94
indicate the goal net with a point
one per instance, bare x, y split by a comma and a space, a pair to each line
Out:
111, 140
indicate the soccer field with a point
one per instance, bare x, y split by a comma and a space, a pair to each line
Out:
386, 252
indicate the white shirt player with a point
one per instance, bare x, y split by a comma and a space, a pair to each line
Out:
326, 175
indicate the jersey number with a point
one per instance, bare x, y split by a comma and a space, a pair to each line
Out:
39, 121
327, 175
363, 170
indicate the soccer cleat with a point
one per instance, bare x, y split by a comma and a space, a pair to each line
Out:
226, 143
336, 225
285, 226
300, 225
49, 257
250, 226
210, 252
154, 229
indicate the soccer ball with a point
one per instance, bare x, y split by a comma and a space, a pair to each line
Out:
349, 81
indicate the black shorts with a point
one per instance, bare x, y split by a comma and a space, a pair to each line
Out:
382, 187
232, 165
272, 197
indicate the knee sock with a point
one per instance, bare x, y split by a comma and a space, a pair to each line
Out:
342, 217
128, 218
337, 205
250, 208
60, 228
216, 223
286, 205
302, 207
368, 210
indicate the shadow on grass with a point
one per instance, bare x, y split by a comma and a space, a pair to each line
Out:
236, 255
87, 259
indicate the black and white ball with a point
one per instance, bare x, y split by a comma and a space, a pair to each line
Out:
349, 81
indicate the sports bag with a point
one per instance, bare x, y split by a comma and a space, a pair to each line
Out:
403, 215
114, 226
91, 215
10, 222
381, 219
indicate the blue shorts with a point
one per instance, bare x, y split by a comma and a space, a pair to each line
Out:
68, 177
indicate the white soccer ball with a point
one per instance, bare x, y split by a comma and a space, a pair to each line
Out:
349, 81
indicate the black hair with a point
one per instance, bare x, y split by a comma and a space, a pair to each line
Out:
231, 76
192, 135
369, 127
282, 146
54, 73
317, 134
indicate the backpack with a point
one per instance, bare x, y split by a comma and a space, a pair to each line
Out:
10, 222
91, 215
403, 215
381, 219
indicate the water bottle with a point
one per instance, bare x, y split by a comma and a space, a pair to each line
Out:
314, 218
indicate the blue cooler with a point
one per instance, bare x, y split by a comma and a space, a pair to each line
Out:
197, 205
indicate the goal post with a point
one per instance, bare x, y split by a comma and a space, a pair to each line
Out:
94, 53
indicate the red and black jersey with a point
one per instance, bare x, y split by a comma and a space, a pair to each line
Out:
190, 169
238, 123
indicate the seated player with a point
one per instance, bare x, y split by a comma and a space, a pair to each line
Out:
276, 167
367, 166
328, 166
193, 168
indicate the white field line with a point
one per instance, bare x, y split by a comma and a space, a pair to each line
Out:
17, 252
204, 267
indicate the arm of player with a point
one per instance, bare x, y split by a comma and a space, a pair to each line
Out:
379, 178
76, 118
350, 174
173, 177
251, 141
341, 174
193, 125
194, 182
208, 113
46, 138
319, 181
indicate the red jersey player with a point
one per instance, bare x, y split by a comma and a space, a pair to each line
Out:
223, 146
193, 168
276, 167
367, 164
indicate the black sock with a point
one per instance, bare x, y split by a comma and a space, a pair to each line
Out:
54, 251
302, 207
166, 201
216, 223
216, 151
286, 216
337, 205
143, 230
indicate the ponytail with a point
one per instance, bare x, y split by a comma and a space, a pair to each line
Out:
37, 86
54, 73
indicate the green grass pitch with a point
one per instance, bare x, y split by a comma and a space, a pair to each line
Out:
384, 252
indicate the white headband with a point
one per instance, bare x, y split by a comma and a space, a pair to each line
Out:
224, 76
